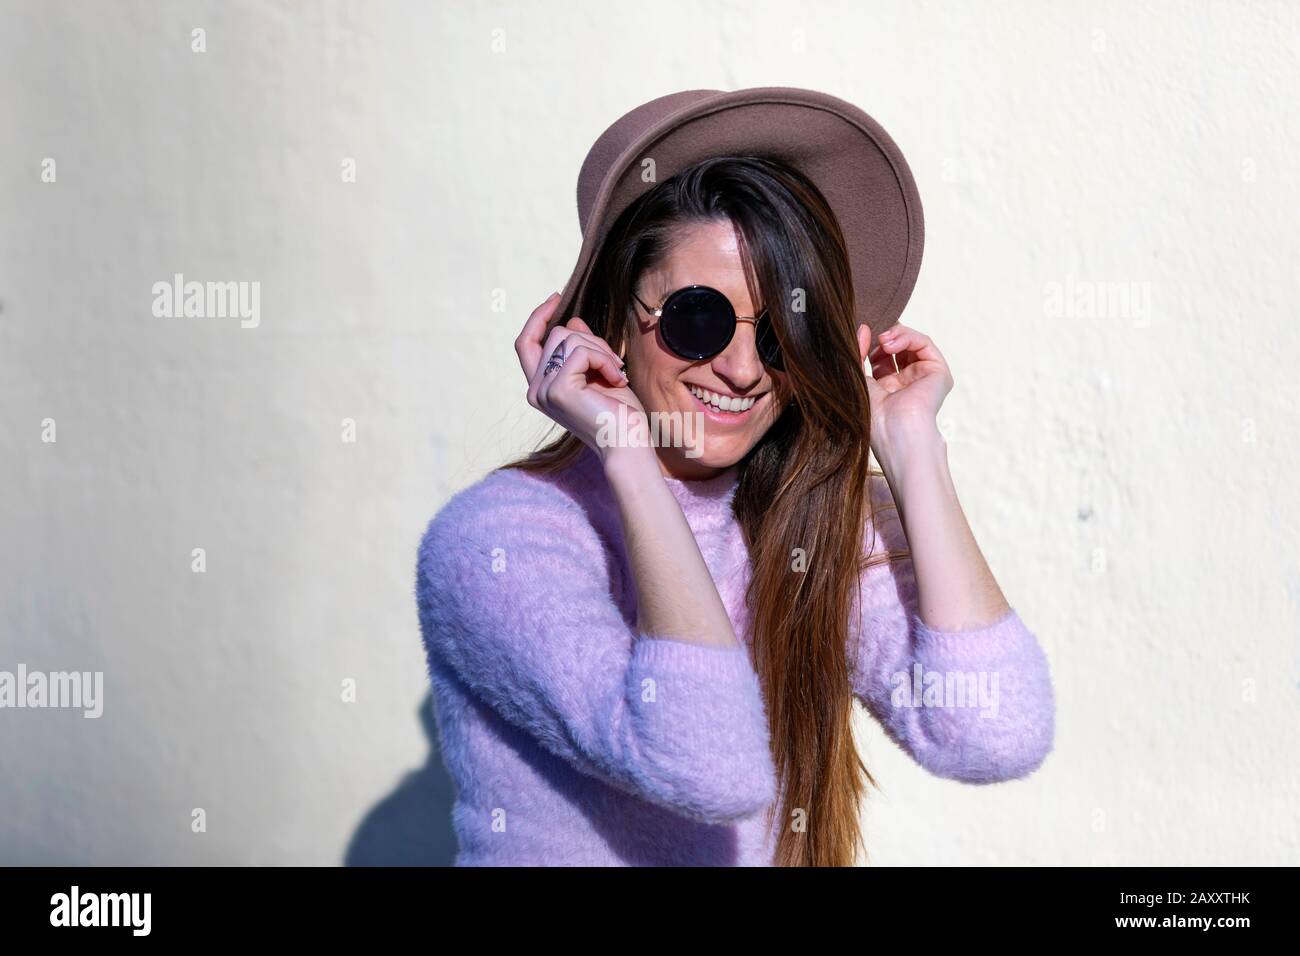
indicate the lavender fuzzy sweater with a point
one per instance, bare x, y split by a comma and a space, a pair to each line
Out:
573, 739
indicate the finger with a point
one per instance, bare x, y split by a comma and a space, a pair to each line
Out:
893, 340
886, 335
901, 339
554, 338
878, 353
528, 346
882, 360
562, 333
883, 369
865, 336
591, 337
610, 367
909, 346
547, 349
580, 359
588, 337
875, 391
594, 360
578, 325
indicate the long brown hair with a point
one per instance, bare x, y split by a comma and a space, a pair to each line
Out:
802, 498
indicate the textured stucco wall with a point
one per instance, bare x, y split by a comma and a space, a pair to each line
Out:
1129, 470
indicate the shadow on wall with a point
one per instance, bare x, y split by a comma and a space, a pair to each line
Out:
412, 825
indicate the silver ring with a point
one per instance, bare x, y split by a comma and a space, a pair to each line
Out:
557, 360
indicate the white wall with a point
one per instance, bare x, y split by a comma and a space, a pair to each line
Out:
1130, 475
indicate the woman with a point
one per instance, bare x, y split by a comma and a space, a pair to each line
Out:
647, 654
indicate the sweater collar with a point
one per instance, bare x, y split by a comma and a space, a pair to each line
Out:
705, 494
705, 502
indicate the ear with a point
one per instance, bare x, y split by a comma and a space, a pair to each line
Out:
864, 341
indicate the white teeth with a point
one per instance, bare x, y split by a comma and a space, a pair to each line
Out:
724, 403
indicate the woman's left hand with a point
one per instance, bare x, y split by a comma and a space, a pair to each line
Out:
904, 402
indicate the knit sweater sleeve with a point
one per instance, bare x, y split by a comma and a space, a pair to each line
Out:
514, 597
974, 705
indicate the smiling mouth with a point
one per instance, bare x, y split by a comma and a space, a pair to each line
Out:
724, 406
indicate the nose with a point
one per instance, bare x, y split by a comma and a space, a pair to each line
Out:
739, 363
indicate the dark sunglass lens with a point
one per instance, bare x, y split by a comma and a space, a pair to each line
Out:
769, 349
697, 323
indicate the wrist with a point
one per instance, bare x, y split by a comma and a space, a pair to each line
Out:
629, 464
918, 445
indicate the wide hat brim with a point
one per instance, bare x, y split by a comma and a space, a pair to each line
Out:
857, 166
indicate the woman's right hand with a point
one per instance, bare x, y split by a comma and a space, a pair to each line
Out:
677, 597
586, 392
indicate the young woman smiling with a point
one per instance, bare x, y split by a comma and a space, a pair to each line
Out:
644, 657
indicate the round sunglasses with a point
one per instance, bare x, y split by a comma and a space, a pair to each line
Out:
697, 322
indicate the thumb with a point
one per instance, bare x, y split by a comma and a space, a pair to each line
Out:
578, 325
865, 335
875, 391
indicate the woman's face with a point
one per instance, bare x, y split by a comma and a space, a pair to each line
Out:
706, 254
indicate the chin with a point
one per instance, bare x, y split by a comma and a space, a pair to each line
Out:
707, 436
714, 456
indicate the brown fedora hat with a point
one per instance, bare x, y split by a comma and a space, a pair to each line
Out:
847, 155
